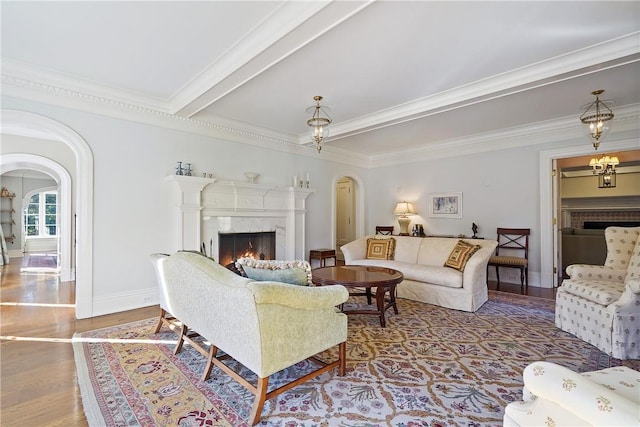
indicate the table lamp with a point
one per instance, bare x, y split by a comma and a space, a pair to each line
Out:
403, 209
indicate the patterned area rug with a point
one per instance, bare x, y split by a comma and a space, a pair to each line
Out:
40, 262
430, 367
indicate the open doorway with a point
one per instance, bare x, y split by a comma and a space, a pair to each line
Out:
550, 203
348, 212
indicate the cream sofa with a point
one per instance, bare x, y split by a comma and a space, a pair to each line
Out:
266, 326
600, 304
421, 261
556, 396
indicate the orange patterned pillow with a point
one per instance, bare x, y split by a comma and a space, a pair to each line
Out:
381, 248
460, 254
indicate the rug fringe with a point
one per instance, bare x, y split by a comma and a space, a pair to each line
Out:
89, 403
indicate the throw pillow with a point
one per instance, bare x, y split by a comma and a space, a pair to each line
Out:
460, 255
293, 272
381, 248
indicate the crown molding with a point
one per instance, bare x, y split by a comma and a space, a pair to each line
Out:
71, 93
63, 82
67, 98
627, 118
609, 54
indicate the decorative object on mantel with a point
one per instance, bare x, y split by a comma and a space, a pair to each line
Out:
319, 122
418, 231
186, 170
474, 228
251, 176
605, 168
597, 116
403, 209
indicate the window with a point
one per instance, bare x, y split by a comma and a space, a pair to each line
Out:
40, 215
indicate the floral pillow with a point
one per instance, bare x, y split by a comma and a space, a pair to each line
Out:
293, 272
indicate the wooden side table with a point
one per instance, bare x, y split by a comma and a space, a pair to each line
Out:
322, 255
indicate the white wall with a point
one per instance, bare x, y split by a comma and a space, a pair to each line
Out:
131, 211
132, 216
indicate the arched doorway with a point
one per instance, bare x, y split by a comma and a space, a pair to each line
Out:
16, 161
36, 126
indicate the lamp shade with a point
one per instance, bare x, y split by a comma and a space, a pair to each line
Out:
404, 208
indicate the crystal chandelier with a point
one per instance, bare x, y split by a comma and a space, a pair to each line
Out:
597, 117
319, 122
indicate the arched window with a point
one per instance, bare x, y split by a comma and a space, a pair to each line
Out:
41, 215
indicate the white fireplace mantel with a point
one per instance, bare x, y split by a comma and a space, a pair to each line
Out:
204, 208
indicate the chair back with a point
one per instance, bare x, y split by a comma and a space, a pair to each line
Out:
384, 229
514, 239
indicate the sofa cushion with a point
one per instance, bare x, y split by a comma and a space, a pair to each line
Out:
620, 244
598, 291
293, 272
381, 248
460, 254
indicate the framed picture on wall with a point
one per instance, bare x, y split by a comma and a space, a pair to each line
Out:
445, 205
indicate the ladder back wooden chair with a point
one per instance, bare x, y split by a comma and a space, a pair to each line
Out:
384, 229
512, 252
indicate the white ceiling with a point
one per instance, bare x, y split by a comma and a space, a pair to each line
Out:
399, 77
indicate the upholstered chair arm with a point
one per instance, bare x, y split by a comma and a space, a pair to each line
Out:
629, 302
475, 272
354, 250
596, 272
579, 395
301, 297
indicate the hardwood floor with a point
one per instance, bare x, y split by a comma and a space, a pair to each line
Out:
38, 373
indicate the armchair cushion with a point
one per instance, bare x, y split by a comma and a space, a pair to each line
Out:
293, 272
599, 291
620, 244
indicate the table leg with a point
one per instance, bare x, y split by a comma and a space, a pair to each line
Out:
380, 291
392, 298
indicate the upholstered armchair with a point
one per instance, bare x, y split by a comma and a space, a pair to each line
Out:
556, 396
601, 304
266, 326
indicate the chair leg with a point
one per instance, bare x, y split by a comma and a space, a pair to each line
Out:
160, 321
261, 396
213, 351
342, 354
498, 277
181, 334
522, 279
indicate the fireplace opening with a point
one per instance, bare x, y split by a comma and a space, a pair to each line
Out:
260, 245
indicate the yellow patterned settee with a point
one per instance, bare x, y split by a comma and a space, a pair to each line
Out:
264, 325
556, 396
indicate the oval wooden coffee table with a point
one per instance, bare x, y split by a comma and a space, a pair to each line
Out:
367, 277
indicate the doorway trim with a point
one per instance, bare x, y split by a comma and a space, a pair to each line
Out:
17, 161
359, 216
547, 229
33, 125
